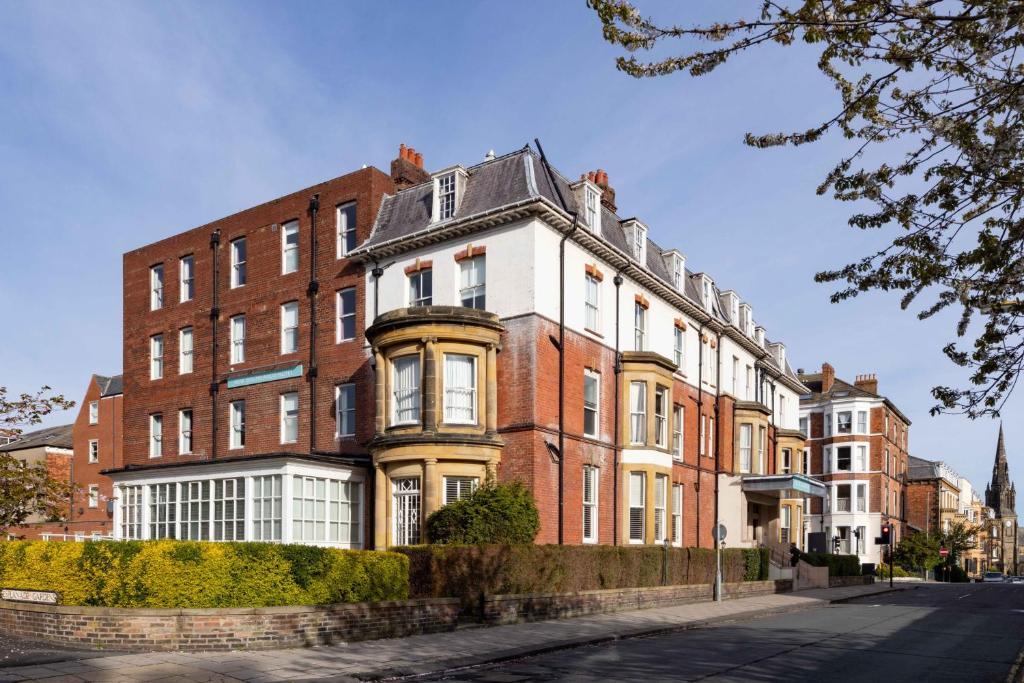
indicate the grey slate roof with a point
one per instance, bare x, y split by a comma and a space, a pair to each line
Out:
840, 389
57, 437
110, 386
919, 468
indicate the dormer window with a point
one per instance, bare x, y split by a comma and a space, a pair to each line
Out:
636, 232
744, 321
706, 292
448, 187
591, 204
677, 266
446, 196
759, 336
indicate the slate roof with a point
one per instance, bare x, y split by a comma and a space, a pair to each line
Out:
110, 386
519, 177
919, 468
57, 437
840, 389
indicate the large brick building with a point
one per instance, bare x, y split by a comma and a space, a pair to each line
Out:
332, 366
857, 443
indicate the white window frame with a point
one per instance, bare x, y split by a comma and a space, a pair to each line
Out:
591, 484
638, 413
156, 356
238, 260
94, 412
640, 244
289, 417
591, 203
637, 534
459, 483
156, 287
287, 230
186, 278
343, 315
237, 337
677, 515
345, 410
289, 328
591, 303
639, 327
762, 445
862, 422
342, 213
785, 461
746, 448
445, 187
94, 451
592, 407
156, 435
661, 396
186, 351
848, 424
660, 507
94, 496
416, 280
473, 281
185, 420
449, 403
678, 416
413, 393
236, 425
678, 346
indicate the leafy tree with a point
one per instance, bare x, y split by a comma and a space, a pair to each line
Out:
960, 537
917, 551
28, 490
931, 101
494, 513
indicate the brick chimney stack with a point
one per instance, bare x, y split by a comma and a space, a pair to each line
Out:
407, 170
867, 383
828, 377
600, 178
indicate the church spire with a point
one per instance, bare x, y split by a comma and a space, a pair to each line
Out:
1000, 448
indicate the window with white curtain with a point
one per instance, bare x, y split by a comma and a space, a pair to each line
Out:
346, 219
592, 303
238, 262
459, 389
862, 422
345, 402
661, 417
638, 412
290, 327
156, 287
591, 479
677, 514
156, 435
473, 289
678, 340
862, 458
591, 402
405, 391
185, 348
660, 498
290, 417
236, 439
746, 444
639, 327
187, 280
237, 339
637, 506
290, 247
156, 356
185, 431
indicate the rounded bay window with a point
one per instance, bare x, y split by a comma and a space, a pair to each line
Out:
436, 435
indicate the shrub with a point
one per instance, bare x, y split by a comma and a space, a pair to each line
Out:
882, 571
494, 513
191, 574
838, 565
471, 571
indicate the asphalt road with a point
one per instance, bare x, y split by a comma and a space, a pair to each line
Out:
954, 632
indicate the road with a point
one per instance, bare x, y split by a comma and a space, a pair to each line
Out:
955, 632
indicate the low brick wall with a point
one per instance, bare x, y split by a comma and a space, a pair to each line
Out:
199, 630
508, 609
842, 581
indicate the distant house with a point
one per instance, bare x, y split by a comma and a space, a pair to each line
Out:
53, 447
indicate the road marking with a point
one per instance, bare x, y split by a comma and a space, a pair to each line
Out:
965, 595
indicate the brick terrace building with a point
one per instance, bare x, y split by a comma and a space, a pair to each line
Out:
857, 444
98, 443
933, 496
340, 399
52, 447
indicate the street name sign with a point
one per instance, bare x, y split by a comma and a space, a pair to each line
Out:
22, 595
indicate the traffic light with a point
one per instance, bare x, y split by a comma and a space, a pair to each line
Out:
886, 536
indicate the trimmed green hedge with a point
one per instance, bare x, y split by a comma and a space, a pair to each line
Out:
470, 571
190, 574
838, 565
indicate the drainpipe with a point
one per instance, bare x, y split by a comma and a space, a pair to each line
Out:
214, 319
718, 441
311, 292
701, 434
616, 445
561, 345
376, 273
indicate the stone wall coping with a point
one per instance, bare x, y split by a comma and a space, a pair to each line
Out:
220, 611
636, 589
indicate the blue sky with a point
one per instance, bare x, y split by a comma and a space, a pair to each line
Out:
123, 123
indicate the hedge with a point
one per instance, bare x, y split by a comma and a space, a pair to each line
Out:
470, 571
192, 574
838, 565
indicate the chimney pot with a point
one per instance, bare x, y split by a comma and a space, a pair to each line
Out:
419, 159
401, 151
828, 377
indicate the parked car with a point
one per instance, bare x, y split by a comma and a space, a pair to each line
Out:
993, 577
1015, 579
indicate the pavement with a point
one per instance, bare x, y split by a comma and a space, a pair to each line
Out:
435, 653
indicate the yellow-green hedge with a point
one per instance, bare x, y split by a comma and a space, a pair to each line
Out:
189, 574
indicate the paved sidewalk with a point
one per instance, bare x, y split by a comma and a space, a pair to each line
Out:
427, 653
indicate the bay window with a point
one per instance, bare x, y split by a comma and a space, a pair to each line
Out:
660, 499
405, 394
746, 444
638, 413
459, 389
637, 506
661, 416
